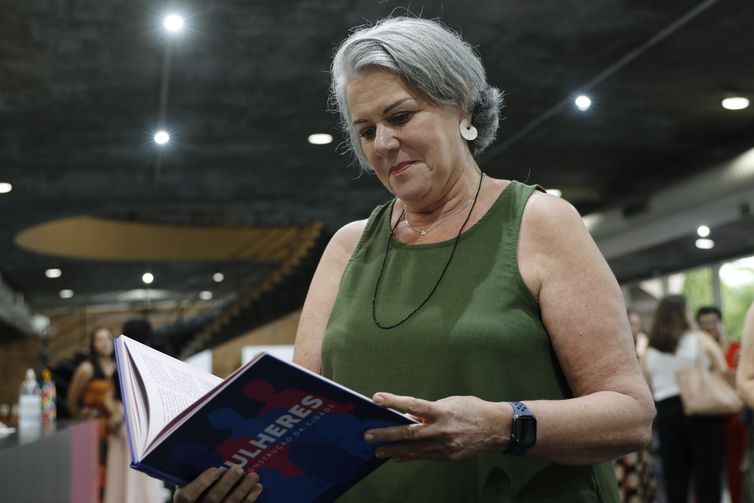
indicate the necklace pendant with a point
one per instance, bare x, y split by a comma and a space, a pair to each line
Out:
424, 233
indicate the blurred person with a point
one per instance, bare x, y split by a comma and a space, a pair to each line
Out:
735, 431
637, 332
745, 386
90, 387
635, 471
691, 447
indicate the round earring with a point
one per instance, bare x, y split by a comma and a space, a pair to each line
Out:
468, 131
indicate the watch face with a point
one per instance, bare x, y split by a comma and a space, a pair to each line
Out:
526, 431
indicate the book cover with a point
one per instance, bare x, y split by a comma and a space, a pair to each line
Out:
302, 433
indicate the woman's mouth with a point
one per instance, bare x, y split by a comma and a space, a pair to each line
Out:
400, 167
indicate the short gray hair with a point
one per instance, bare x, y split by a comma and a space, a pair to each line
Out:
431, 58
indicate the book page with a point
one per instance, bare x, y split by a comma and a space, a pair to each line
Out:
170, 385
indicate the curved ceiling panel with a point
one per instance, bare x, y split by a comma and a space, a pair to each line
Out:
96, 238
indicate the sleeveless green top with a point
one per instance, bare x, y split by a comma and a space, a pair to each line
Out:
480, 334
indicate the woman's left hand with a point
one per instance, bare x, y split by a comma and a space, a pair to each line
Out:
455, 427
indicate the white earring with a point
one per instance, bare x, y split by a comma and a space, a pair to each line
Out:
468, 131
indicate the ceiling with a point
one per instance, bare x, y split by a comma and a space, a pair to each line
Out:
84, 84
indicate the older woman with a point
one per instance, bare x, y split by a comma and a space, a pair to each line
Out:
480, 306
745, 385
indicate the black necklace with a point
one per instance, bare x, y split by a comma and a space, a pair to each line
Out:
384, 261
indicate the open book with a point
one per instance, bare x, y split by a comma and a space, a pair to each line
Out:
301, 432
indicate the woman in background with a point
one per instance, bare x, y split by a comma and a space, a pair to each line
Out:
688, 444
91, 387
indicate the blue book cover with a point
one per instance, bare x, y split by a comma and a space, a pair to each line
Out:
300, 432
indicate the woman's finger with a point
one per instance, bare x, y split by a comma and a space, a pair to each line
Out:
224, 486
414, 406
194, 489
244, 489
401, 433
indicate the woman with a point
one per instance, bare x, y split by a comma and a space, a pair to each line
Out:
90, 392
439, 307
634, 471
745, 385
688, 444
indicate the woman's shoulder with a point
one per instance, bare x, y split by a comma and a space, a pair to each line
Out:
85, 369
348, 236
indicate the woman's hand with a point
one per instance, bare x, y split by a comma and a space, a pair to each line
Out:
452, 428
216, 485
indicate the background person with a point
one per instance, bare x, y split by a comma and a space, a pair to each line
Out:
735, 431
91, 385
688, 444
745, 385
462, 295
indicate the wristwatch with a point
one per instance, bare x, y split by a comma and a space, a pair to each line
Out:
523, 430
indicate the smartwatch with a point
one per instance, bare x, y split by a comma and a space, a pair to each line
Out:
523, 430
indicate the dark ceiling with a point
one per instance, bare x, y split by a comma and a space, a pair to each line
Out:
84, 84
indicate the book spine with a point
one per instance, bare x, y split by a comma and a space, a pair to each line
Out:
159, 474
120, 362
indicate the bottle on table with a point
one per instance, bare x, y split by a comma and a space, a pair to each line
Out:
30, 405
49, 397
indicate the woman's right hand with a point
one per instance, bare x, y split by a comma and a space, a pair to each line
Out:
216, 485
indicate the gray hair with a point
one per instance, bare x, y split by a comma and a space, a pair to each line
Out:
431, 58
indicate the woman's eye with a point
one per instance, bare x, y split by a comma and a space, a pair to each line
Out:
401, 118
367, 133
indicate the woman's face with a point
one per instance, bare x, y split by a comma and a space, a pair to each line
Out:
414, 146
103, 342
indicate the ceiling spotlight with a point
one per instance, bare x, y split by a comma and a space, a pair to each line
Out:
320, 138
583, 103
735, 103
218, 277
66, 294
147, 278
705, 244
161, 137
53, 273
173, 23
702, 231
5, 187
205, 295
555, 192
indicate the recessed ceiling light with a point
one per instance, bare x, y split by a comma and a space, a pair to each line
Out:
555, 192
205, 295
705, 244
161, 137
173, 23
5, 187
702, 231
218, 277
147, 278
583, 103
53, 273
735, 103
66, 294
320, 138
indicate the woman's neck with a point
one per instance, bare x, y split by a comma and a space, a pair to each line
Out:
457, 197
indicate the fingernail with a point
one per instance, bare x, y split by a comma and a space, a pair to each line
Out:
368, 437
378, 398
238, 470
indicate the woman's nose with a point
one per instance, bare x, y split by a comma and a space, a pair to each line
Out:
385, 140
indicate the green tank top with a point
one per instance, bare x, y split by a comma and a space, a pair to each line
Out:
480, 334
